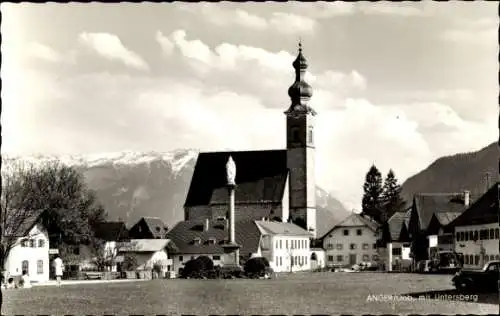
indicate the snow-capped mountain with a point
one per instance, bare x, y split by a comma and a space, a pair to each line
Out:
135, 184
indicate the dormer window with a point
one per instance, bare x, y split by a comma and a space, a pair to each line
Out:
197, 240
211, 241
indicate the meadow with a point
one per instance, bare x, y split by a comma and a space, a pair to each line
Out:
307, 293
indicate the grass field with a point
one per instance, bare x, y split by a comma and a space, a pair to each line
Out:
311, 293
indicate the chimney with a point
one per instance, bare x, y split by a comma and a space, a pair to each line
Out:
466, 198
207, 225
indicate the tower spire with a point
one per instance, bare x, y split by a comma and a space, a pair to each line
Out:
300, 91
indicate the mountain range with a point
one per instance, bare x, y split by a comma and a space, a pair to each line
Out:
132, 185
456, 173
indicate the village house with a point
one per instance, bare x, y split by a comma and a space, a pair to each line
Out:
148, 228
272, 184
205, 237
87, 256
30, 249
477, 230
148, 253
394, 242
284, 245
351, 242
424, 240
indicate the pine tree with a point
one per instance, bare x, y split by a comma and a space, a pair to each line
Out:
372, 196
391, 196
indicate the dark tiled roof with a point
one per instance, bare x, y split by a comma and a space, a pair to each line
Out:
427, 204
110, 231
446, 217
267, 189
283, 229
20, 223
260, 177
156, 226
482, 211
184, 233
397, 225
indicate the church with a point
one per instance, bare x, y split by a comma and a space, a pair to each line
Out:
272, 184
275, 195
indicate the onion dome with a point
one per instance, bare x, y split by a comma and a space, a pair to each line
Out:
300, 91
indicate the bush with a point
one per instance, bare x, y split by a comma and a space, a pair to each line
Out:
129, 263
206, 263
193, 269
256, 267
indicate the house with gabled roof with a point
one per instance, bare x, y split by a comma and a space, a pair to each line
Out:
204, 237
351, 242
148, 228
476, 230
149, 253
108, 235
424, 206
394, 241
28, 241
274, 184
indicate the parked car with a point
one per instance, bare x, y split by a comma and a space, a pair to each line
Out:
485, 279
448, 262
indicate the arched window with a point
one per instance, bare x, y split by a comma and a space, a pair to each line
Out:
25, 266
313, 256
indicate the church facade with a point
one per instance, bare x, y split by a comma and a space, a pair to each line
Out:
276, 185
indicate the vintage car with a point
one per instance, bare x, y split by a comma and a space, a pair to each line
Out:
485, 279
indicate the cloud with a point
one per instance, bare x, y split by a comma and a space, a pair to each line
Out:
166, 45
394, 9
110, 46
290, 23
254, 70
485, 36
282, 22
44, 52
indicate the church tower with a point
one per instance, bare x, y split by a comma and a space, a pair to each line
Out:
301, 150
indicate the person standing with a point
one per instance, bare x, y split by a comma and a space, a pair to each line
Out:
58, 267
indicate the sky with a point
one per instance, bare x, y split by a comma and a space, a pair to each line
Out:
395, 84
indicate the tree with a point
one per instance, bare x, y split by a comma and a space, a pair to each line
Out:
68, 207
391, 196
372, 194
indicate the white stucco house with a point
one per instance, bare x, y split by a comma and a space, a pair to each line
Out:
285, 245
29, 249
148, 253
477, 232
351, 242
